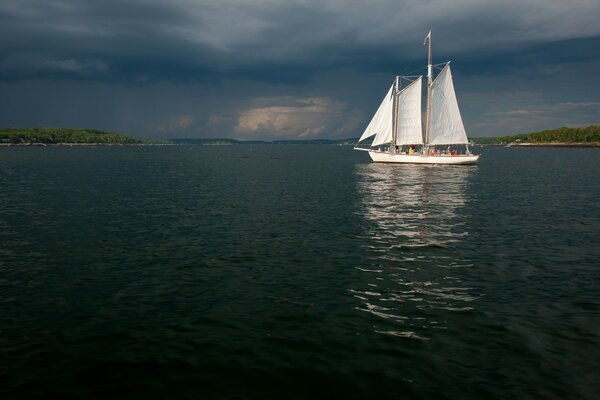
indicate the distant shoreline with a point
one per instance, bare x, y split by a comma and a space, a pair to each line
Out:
588, 137
36, 144
594, 144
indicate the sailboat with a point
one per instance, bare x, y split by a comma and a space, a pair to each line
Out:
397, 125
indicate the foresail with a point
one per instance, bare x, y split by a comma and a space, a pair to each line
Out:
409, 114
381, 124
445, 126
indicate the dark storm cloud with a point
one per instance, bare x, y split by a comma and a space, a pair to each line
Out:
335, 53
132, 40
138, 41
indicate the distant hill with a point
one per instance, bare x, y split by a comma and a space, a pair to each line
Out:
588, 135
217, 142
63, 135
209, 142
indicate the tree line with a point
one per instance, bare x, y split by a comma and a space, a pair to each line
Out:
63, 135
590, 134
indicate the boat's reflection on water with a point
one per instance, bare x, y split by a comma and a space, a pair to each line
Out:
413, 232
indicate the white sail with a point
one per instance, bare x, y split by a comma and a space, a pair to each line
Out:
445, 126
409, 114
381, 124
385, 134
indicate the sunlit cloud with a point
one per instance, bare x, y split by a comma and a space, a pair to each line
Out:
287, 117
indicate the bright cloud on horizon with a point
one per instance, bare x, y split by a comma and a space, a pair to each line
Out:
301, 118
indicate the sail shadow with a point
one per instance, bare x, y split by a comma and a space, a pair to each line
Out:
413, 231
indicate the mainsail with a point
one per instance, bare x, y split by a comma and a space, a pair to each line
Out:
445, 126
381, 124
409, 114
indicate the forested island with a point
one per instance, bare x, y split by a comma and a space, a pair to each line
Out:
53, 136
588, 136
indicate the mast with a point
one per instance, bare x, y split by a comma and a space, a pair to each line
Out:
395, 117
429, 80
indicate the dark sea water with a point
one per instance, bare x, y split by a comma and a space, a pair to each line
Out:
282, 271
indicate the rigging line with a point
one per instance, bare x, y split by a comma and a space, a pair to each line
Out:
409, 64
416, 70
410, 78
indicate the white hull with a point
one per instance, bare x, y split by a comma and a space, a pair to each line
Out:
379, 156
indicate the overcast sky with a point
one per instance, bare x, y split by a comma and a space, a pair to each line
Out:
265, 69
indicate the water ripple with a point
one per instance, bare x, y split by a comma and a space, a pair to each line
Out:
413, 235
